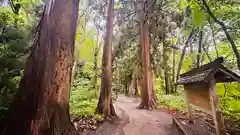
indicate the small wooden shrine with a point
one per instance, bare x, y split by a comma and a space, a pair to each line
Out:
200, 89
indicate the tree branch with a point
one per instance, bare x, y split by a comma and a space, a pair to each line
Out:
213, 37
132, 13
199, 48
15, 7
224, 28
183, 54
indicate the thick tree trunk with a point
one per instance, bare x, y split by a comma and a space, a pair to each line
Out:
153, 96
41, 105
105, 105
148, 100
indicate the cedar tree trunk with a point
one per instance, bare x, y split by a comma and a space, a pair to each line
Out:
41, 106
105, 105
148, 100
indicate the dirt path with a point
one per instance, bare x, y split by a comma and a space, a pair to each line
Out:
137, 122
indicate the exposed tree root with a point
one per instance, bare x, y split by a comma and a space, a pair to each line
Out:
150, 105
108, 112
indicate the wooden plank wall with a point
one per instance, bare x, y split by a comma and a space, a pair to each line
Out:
198, 95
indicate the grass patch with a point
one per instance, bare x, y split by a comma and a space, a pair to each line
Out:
176, 101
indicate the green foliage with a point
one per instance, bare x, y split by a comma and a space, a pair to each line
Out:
173, 101
230, 99
198, 15
15, 37
87, 51
84, 93
127, 65
176, 100
83, 99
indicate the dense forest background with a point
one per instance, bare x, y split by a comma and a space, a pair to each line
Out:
182, 35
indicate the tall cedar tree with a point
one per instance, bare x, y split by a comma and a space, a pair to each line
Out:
105, 105
148, 95
41, 106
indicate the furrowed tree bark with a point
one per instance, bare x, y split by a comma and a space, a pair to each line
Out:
105, 105
152, 97
224, 28
148, 100
41, 106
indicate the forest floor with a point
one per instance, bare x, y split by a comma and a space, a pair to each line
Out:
136, 122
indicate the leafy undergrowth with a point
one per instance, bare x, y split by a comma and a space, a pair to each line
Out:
83, 101
230, 104
175, 101
172, 101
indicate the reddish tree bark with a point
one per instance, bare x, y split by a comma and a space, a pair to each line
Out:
41, 105
148, 97
105, 105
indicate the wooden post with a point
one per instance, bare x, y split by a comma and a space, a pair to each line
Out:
216, 111
189, 107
